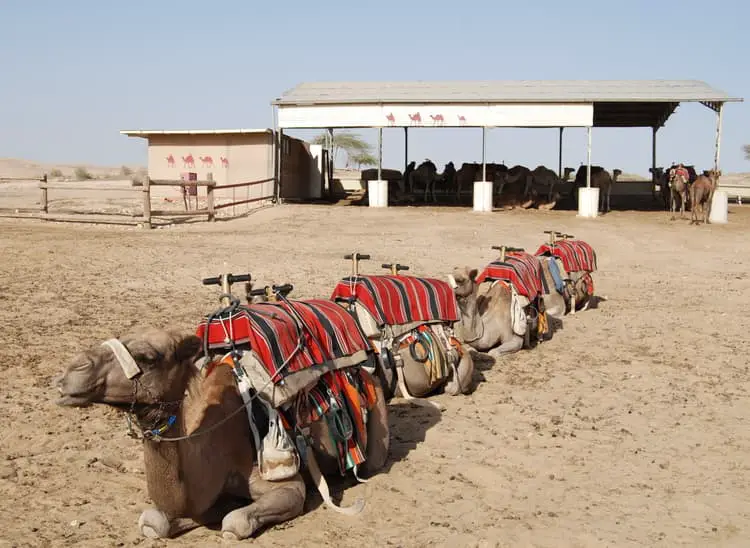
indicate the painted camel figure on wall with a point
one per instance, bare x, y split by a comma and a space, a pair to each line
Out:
437, 120
170, 161
416, 119
207, 161
188, 161
391, 118
224, 162
461, 120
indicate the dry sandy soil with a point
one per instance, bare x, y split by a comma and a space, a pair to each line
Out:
628, 428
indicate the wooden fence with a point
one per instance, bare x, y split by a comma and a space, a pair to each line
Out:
147, 216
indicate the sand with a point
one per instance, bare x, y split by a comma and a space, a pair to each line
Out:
628, 428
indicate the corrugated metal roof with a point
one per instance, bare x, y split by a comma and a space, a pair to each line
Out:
503, 91
147, 132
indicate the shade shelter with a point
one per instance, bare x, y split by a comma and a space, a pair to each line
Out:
488, 104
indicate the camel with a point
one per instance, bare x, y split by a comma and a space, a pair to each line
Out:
486, 322
211, 452
659, 177
545, 178
601, 179
573, 284
678, 188
447, 178
425, 173
701, 194
516, 182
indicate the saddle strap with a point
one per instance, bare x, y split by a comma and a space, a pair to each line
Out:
322, 485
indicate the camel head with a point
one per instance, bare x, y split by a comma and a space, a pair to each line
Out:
568, 172
149, 366
616, 173
462, 280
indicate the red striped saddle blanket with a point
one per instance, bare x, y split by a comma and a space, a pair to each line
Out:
325, 333
396, 300
576, 255
521, 269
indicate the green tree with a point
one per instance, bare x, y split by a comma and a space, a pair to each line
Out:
350, 143
746, 148
363, 159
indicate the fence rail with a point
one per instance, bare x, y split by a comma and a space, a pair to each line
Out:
147, 216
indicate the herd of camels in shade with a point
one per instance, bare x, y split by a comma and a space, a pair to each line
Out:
517, 186
233, 413
541, 187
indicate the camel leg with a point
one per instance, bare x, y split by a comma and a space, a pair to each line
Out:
154, 523
463, 373
275, 502
513, 345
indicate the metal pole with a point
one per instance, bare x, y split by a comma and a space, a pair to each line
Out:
718, 137
380, 152
653, 152
559, 156
588, 157
406, 148
281, 164
484, 153
331, 159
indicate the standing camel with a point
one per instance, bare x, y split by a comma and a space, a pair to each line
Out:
701, 194
426, 173
678, 188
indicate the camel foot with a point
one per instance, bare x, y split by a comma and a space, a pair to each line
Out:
154, 524
239, 524
507, 348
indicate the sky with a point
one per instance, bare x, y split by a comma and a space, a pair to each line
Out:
74, 73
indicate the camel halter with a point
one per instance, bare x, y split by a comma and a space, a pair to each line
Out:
124, 358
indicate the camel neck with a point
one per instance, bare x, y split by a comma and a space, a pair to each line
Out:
469, 318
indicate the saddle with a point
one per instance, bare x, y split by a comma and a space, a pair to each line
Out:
295, 362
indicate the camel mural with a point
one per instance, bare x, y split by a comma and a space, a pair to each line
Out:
206, 161
170, 161
188, 161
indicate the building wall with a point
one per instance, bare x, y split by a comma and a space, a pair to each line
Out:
296, 165
230, 158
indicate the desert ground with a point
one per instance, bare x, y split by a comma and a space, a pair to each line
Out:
628, 428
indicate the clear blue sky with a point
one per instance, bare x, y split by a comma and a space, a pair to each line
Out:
74, 73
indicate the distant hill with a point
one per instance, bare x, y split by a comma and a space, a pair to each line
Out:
16, 168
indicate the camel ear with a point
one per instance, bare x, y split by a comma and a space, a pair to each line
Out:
473, 274
188, 349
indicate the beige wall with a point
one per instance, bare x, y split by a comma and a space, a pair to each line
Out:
296, 163
248, 157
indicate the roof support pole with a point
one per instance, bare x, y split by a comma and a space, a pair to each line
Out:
331, 160
718, 136
280, 180
559, 156
484, 153
653, 152
406, 149
588, 157
380, 153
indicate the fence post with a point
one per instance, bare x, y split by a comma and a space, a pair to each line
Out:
210, 197
146, 202
43, 201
